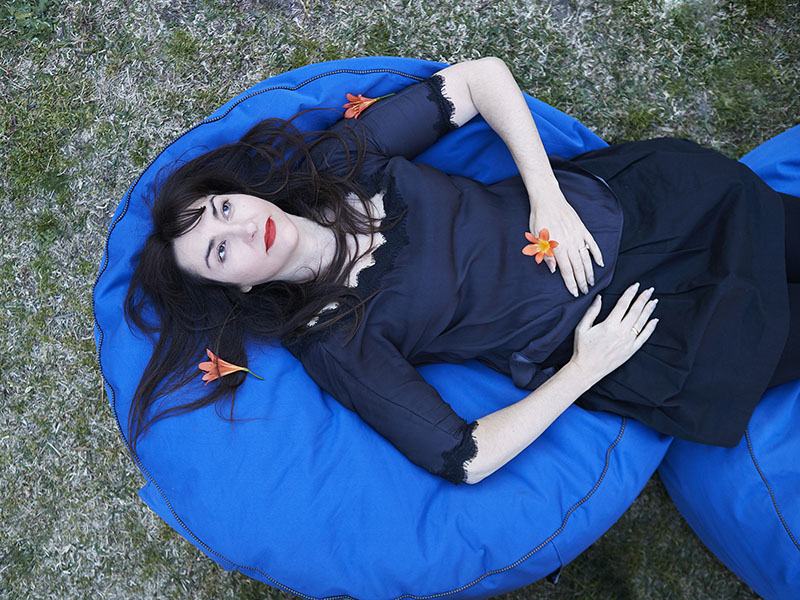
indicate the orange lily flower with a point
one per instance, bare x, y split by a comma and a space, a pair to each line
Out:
216, 368
540, 246
358, 104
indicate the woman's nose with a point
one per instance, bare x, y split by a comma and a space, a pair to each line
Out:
246, 230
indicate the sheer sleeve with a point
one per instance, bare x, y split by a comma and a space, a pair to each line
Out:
389, 394
404, 124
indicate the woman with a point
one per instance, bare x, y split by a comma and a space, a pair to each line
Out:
364, 265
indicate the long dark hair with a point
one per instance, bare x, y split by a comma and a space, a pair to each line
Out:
272, 161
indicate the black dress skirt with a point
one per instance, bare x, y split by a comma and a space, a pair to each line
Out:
708, 234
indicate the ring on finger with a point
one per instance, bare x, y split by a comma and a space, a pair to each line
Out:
635, 331
586, 247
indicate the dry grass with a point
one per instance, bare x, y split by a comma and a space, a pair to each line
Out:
92, 89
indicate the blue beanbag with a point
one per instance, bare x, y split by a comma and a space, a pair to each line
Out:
302, 494
744, 502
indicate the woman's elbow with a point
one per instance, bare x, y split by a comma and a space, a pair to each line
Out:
473, 479
474, 475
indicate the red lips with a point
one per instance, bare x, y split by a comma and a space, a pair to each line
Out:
269, 234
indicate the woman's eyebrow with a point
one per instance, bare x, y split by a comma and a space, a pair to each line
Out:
211, 241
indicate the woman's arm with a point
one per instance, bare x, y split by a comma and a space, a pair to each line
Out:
486, 86
503, 434
599, 349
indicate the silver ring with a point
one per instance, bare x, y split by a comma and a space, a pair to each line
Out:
586, 247
635, 331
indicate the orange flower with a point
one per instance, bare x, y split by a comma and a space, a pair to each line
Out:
541, 246
216, 368
359, 104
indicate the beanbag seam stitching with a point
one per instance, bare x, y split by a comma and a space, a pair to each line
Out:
440, 594
299, 85
769, 489
550, 538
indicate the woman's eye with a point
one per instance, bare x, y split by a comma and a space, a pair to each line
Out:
221, 252
226, 208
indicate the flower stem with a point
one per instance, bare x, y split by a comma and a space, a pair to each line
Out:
254, 375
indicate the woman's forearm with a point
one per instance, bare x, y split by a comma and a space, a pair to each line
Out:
486, 86
503, 434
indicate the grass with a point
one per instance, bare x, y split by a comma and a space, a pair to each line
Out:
92, 89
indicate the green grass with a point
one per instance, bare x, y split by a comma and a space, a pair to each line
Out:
93, 89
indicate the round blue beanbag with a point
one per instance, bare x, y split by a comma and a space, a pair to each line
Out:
744, 502
302, 494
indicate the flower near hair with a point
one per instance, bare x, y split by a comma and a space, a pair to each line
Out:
216, 368
358, 104
540, 246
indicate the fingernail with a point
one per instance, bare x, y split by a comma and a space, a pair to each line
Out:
575, 293
591, 281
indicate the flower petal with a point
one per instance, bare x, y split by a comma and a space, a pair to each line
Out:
530, 237
206, 366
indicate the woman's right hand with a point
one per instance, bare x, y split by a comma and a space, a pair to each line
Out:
601, 348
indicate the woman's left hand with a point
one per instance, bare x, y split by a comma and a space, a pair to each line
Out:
571, 256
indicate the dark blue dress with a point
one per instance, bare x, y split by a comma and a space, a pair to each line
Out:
451, 284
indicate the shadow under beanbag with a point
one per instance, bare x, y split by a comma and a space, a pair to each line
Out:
302, 494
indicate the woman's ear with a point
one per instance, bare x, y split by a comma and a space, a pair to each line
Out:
245, 288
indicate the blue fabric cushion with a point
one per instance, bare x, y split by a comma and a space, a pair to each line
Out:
744, 502
305, 496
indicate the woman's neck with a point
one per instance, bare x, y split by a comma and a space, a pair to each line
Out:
317, 245
316, 248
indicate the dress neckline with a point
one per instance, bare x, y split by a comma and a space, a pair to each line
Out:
395, 237
369, 278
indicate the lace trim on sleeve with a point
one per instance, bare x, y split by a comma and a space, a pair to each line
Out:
447, 109
456, 459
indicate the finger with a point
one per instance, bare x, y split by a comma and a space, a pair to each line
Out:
645, 314
588, 269
567, 274
645, 335
590, 315
621, 307
637, 307
551, 263
595, 250
579, 272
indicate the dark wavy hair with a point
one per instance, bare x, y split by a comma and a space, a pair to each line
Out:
272, 161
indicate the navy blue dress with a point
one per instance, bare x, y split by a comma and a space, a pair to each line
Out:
451, 284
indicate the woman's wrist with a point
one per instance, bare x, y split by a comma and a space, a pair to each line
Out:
585, 377
546, 191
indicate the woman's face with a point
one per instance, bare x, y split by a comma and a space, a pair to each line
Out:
239, 239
